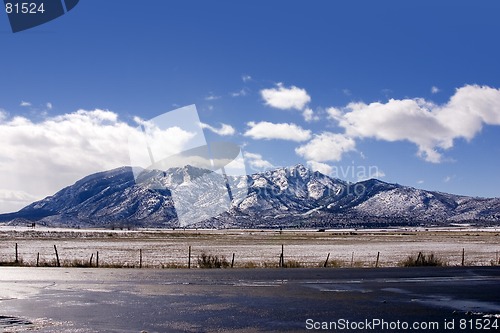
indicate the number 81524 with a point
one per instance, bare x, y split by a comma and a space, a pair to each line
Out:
24, 8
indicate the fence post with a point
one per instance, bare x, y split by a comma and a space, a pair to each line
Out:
17, 258
352, 259
326, 261
378, 256
91, 257
57, 256
282, 258
37, 258
189, 257
140, 258
463, 256
232, 261
97, 259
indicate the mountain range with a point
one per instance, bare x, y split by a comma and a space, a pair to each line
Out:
284, 197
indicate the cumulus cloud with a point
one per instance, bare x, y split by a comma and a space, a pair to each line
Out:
309, 115
49, 106
321, 167
435, 90
246, 78
334, 113
283, 131
225, 129
39, 158
25, 104
326, 146
431, 127
285, 98
256, 161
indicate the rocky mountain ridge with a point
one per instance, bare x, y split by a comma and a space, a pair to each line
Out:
283, 197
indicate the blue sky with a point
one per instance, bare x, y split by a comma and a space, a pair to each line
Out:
294, 81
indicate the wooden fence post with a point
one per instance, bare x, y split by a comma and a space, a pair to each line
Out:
37, 259
232, 261
97, 259
140, 258
57, 256
91, 257
282, 258
17, 257
189, 257
463, 256
326, 261
378, 256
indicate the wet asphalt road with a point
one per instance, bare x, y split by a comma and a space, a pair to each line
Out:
248, 300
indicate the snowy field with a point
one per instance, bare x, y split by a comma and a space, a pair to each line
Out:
251, 248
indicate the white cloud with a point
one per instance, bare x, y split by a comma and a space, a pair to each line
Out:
246, 78
334, 113
15, 198
225, 129
326, 147
39, 158
285, 98
431, 127
321, 167
435, 90
346, 92
25, 104
49, 106
212, 97
378, 174
242, 92
309, 115
256, 162
397, 120
364, 173
420, 181
283, 131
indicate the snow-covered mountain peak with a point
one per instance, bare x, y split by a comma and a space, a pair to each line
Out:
287, 196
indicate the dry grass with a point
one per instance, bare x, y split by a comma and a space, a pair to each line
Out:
212, 261
12, 263
422, 259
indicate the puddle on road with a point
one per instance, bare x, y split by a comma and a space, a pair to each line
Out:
448, 302
260, 283
460, 304
8, 321
333, 287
